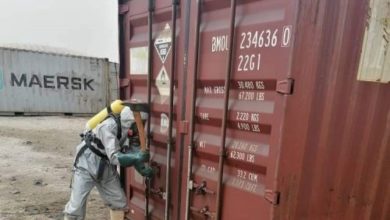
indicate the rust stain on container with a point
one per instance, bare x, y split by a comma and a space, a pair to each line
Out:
304, 138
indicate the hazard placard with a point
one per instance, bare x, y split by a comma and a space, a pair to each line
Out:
163, 82
163, 43
164, 123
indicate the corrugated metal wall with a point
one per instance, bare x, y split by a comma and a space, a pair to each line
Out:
329, 144
36, 82
335, 149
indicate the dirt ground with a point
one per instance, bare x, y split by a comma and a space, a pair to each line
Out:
36, 155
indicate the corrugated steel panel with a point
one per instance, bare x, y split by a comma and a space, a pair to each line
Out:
113, 78
39, 82
304, 138
134, 86
335, 146
261, 60
42, 49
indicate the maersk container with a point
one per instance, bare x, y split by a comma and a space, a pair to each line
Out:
41, 82
260, 108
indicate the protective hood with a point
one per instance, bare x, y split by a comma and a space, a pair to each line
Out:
127, 117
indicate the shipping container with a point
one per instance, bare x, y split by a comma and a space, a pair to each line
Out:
51, 82
258, 108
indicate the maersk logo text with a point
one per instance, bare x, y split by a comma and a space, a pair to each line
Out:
51, 82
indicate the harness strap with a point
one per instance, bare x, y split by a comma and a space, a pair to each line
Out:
100, 154
98, 143
117, 121
81, 151
109, 110
118, 127
88, 138
94, 150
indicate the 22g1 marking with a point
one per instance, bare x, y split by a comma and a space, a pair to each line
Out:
249, 62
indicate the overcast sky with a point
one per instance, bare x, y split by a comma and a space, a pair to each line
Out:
86, 26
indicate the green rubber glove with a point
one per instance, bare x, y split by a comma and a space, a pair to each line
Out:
144, 156
130, 159
145, 171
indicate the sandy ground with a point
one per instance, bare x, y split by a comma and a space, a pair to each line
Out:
36, 155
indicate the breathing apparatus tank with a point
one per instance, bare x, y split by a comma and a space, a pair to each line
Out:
116, 108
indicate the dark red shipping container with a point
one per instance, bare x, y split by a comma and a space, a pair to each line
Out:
267, 119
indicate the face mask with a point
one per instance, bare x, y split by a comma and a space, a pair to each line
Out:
126, 124
127, 118
124, 132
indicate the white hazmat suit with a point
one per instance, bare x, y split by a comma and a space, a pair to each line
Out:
95, 165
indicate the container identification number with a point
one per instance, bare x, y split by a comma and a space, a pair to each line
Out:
265, 38
268, 38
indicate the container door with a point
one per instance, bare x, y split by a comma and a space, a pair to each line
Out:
259, 85
147, 47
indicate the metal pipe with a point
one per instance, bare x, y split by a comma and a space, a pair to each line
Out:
229, 65
183, 110
149, 85
193, 107
122, 73
171, 100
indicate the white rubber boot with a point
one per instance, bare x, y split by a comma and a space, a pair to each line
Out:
117, 214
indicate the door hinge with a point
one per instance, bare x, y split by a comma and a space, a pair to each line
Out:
124, 82
285, 87
123, 9
183, 127
272, 197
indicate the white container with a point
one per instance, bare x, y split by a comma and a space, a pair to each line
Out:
44, 83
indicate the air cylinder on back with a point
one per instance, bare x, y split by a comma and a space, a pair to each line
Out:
116, 108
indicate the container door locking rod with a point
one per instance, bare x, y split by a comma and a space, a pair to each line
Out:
193, 107
175, 3
229, 65
149, 85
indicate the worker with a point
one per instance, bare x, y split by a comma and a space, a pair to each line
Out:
95, 165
